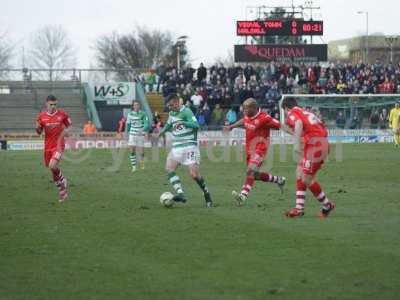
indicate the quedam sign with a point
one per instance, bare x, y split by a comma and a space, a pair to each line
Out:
290, 53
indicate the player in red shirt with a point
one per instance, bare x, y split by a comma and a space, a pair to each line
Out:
310, 142
257, 125
54, 122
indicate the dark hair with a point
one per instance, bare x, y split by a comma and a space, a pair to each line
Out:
51, 98
289, 103
173, 97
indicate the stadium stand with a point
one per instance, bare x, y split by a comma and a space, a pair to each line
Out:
24, 100
156, 103
20, 101
230, 86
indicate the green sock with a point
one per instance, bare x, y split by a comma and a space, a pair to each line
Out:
132, 157
175, 182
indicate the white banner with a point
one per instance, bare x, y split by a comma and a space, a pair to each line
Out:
25, 145
117, 93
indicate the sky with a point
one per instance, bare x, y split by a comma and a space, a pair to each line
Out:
209, 24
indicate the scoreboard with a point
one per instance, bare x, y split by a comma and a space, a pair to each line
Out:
283, 27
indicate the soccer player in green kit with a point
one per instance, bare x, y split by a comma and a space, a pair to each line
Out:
185, 149
137, 125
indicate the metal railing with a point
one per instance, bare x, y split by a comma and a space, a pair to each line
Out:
70, 74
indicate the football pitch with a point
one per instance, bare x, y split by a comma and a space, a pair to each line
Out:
113, 239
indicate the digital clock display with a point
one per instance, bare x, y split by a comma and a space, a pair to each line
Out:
286, 27
312, 27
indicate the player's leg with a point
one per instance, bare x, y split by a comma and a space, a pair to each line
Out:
58, 177
195, 174
258, 160
254, 163
133, 158
140, 151
310, 169
132, 152
140, 155
396, 137
170, 167
315, 188
315, 152
267, 177
301, 188
303, 182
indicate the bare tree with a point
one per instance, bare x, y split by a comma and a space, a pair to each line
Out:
179, 48
5, 53
141, 49
157, 45
228, 60
52, 49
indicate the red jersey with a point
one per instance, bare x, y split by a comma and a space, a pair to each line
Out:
258, 131
312, 126
53, 125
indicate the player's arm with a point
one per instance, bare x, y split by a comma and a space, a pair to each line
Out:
287, 129
67, 124
269, 122
128, 125
391, 117
166, 128
290, 123
298, 131
191, 121
39, 127
234, 125
67, 121
398, 120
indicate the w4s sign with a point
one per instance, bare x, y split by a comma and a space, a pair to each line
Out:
114, 93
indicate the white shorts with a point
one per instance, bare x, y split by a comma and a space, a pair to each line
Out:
136, 140
185, 156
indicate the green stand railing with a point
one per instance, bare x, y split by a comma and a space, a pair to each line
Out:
141, 97
91, 107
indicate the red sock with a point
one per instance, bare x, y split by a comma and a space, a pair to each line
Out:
315, 188
248, 185
267, 177
57, 175
300, 194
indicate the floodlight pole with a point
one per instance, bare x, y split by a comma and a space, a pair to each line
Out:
390, 40
178, 57
367, 42
367, 34
180, 41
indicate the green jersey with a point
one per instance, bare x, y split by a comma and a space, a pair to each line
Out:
137, 123
183, 126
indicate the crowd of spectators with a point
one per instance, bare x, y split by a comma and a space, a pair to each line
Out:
215, 94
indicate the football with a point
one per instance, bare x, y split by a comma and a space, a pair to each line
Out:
166, 199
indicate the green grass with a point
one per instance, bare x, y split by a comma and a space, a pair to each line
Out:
113, 240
